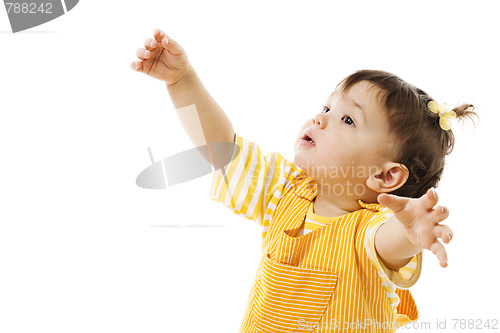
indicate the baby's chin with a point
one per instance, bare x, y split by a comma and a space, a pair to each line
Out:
304, 164
300, 162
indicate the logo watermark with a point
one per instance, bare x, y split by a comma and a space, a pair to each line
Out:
31, 13
187, 165
192, 163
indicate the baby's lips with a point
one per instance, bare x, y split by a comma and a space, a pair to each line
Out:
308, 134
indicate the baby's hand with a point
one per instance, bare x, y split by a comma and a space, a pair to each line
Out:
420, 220
162, 58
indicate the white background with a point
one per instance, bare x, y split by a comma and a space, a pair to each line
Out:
83, 249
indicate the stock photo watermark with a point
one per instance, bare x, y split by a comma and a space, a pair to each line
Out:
354, 178
468, 324
24, 15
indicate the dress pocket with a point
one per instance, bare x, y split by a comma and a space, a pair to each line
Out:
290, 299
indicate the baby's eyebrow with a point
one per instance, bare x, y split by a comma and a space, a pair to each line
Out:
358, 105
363, 112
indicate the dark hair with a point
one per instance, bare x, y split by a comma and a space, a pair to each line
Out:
422, 143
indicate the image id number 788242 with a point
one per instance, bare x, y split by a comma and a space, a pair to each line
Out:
489, 324
29, 8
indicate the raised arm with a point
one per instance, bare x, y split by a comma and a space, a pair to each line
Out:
203, 119
415, 226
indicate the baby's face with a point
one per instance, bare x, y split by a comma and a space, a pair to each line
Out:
348, 141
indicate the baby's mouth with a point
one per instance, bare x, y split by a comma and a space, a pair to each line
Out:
307, 138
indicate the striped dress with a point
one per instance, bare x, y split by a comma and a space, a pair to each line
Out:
316, 274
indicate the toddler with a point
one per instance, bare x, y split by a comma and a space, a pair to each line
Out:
345, 223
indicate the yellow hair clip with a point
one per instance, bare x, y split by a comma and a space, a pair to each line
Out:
444, 113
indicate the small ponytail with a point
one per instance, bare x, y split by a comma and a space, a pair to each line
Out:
466, 112
442, 117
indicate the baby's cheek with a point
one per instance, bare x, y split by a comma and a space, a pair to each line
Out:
336, 159
347, 166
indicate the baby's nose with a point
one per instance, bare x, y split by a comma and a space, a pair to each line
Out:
320, 120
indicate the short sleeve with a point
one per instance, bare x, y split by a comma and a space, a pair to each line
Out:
394, 283
252, 183
407, 275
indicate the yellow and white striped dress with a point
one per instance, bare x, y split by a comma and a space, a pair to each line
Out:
316, 274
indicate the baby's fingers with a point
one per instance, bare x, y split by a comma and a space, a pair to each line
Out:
136, 66
143, 54
161, 38
438, 249
429, 199
444, 232
158, 35
439, 214
150, 44
168, 43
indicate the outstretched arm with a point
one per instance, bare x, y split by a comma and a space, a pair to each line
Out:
164, 59
415, 226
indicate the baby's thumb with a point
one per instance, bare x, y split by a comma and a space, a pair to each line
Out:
164, 42
171, 45
393, 202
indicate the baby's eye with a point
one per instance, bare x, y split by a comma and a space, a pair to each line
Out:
326, 109
348, 120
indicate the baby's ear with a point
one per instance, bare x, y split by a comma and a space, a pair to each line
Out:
388, 179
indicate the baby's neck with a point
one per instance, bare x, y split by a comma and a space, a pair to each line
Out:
324, 206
